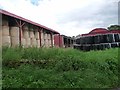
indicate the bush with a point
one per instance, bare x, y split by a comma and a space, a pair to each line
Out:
59, 68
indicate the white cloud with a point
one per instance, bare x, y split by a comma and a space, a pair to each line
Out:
69, 17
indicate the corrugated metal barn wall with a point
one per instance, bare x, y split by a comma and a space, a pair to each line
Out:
63, 41
58, 41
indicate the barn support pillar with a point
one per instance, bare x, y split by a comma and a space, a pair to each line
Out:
59, 41
67, 42
51, 36
20, 25
40, 36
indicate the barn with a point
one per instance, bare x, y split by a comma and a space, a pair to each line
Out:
18, 31
63, 41
98, 39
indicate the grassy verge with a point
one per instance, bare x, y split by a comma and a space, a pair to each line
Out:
59, 68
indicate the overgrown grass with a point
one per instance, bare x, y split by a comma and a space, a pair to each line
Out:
59, 68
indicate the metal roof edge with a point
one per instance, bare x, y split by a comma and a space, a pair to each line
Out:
26, 20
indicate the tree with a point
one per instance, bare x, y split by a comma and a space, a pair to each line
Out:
114, 27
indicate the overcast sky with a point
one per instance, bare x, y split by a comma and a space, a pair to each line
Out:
69, 17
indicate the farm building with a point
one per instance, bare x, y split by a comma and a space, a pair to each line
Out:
63, 41
18, 31
99, 39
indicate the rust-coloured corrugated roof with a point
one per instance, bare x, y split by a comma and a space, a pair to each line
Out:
26, 20
100, 31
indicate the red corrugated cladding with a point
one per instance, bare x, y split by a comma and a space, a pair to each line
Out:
58, 41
